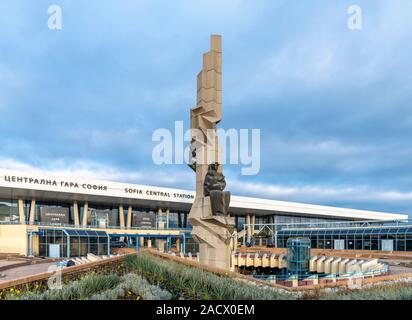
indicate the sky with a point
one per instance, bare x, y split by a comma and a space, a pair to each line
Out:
333, 105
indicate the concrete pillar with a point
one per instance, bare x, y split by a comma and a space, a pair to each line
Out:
31, 244
160, 244
121, 217
248, 229
141, 242
149, 243
32, 211
178, 244
252, 222
271, 222
129, 217
167, 218
161, 223
85, 214
20, 204
76, 213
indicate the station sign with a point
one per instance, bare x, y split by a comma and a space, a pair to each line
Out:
54, 215
144, 219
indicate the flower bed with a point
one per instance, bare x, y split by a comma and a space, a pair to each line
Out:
191, 283
148, 277
398, 291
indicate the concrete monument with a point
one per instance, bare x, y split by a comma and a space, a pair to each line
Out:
209, 216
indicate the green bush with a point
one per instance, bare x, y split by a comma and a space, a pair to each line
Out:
137, 284
399, 291
76, 290
193, 283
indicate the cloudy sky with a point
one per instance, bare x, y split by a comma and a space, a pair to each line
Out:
333, 104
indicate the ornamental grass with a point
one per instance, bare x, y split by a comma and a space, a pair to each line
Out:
193, 283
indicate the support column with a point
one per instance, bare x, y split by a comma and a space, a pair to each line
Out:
160, 244
20, 204
32, 211
85, 214
167, 218
68, 247
160, 224
149, 243
248, 230
76, 214
129, 218
178, 244
31, 244
272, 221
252, 228
121, 217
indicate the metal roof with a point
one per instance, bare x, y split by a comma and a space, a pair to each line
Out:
79, 232
52, 188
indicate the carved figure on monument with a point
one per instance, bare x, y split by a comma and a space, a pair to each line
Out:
214, 185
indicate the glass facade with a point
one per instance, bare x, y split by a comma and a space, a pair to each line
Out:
286, 219
383, 238
178, 220
111, 211
9, 210
73, 242
279, 219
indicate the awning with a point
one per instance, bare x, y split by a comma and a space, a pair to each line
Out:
79, 232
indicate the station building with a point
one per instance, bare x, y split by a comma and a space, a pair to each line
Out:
44, 215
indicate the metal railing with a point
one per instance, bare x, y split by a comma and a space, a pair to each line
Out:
285, 277
328, 225
62, 225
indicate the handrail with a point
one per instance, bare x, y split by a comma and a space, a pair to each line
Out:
43, 224
320, 276
333, 224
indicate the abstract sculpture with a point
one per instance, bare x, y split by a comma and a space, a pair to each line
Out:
209, 216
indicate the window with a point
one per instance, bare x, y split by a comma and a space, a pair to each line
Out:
9, 210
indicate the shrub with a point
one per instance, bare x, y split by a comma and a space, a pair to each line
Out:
80, 289
198, 284
399, 291
136, 284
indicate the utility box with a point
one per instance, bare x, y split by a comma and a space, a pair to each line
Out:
54, 251
339, 245
387, 245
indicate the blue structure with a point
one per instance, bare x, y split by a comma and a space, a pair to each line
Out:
298, 254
